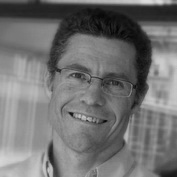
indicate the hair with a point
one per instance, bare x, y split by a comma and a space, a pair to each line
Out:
108, 24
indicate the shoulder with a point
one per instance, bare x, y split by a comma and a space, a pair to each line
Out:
141, 171
28, 168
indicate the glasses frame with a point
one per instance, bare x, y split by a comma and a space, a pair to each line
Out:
133, 86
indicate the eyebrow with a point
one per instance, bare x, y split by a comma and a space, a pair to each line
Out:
80, 67
122, 76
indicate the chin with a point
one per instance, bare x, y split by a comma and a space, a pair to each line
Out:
82, 144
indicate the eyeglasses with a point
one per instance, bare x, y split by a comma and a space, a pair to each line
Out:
81, 80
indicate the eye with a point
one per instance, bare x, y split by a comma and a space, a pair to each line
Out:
115, 83
78, 75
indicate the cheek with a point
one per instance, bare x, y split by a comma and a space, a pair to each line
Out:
64, 89
62, 94
121, 108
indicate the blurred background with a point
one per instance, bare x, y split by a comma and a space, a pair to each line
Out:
27, 29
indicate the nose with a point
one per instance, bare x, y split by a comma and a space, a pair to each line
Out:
93, 95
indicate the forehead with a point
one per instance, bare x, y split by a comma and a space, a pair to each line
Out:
100, 55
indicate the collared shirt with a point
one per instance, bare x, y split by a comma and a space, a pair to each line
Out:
39, 165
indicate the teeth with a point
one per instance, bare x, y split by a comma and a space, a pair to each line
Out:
83, 117
79, 116
94, 120
89, 119
97, 121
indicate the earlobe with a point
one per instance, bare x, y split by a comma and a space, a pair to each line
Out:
48, 84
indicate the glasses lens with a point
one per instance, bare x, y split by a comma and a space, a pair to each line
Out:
117, 87
111, 86
76, 78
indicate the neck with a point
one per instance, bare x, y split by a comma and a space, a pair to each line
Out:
70, 163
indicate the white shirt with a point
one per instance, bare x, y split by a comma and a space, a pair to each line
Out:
120, 165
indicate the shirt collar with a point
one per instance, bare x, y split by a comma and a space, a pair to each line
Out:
120, 164
47, 163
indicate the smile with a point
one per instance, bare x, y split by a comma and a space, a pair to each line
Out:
87, 118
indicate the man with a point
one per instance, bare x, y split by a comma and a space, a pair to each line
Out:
97, 71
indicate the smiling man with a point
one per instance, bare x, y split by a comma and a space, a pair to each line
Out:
96, 80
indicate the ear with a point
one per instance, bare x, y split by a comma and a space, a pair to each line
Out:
138, 100
48, 84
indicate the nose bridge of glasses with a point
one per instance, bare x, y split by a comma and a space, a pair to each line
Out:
97, 83
96, 78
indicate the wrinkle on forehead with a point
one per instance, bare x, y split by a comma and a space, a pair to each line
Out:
83, 46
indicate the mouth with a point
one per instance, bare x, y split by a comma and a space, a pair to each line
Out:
85, 118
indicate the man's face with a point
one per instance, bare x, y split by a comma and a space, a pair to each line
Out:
103, 58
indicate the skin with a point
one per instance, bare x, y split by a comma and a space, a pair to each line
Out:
82, 145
